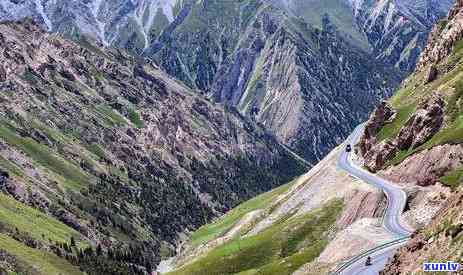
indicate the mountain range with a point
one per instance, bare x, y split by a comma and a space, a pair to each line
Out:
106, 148
126, 125
258, 55
329, 220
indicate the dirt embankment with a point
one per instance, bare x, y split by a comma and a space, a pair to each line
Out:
441, 241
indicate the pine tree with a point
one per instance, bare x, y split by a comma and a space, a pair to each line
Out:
99, 250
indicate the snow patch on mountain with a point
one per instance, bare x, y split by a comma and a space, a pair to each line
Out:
145, 14
41, 11
95, 9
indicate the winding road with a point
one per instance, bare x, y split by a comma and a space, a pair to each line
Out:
396, 198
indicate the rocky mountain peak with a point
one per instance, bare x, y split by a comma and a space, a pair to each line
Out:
443, 38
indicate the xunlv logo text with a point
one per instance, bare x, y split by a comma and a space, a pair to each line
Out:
448, 266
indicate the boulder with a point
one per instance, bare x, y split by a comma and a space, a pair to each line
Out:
377, 157
422, 125
431, 74
382, 114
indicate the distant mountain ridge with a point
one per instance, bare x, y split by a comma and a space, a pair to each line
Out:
136, 24
110, 150
297, 67
415, 139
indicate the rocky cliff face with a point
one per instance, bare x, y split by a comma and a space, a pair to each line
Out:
394, 30
426, 121
278, 70
443, 38
128, 24
424, 139
423, 112
397, 30
114, 148
259, 55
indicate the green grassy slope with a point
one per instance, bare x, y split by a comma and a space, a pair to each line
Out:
280, 249
32, 227
414, 91
340, 14
44, 263
222, 225
71, 175
16, 215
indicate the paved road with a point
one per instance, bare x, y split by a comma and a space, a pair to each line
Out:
396, 203
379, 260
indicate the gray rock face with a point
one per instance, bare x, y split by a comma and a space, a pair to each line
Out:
123, 23
397, 30
290, 65
423, 124
443, 38
382, 114
300, 82
117, 129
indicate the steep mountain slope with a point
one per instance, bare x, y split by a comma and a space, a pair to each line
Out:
397, 30
416, 140
291, 228
276, 69
115, 155
394, 30
257, 55
124, 23
312, 225
441, 241
422, 120
339, 12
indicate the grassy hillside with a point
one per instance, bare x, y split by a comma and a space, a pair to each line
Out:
33, 261
280, 249
24, 231
18, 216
415, 90
222, 225
339, 13
105, 149
69, 174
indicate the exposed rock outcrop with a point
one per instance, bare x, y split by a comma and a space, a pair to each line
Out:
382, 114
424, 203
431, 74
426, 167
426, 121
112, 146
422, 125
287, 75
398, 29
379, 154
443, 38
440, 241
262, 56
361, 204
